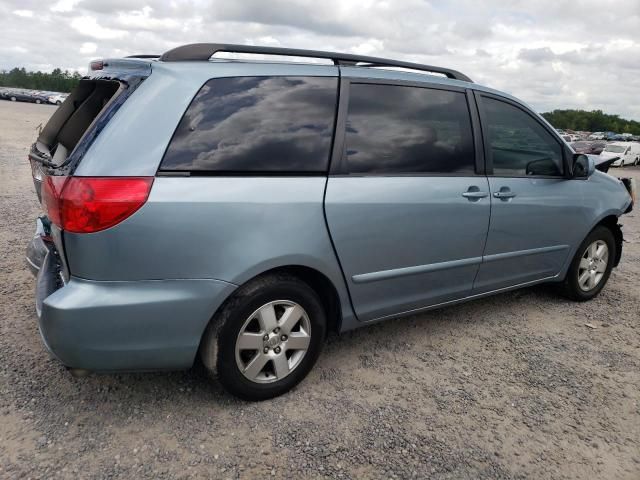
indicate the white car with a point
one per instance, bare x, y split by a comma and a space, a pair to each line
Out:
58, 98
596, 136
629, 153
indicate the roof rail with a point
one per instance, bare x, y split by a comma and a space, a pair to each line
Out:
143, 55
204, 51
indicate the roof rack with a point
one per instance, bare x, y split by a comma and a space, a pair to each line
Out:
143, 55
204, 51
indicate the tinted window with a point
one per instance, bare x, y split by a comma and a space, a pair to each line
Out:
257, 124
395, 129
519, 145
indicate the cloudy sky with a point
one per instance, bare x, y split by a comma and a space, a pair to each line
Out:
551, 53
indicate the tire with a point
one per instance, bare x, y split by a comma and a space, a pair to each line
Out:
38, 102
13, 99
288, 351
581, 291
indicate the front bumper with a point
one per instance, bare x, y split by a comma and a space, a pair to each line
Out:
128, 325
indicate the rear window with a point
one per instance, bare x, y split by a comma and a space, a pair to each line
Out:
256, 124
398, 129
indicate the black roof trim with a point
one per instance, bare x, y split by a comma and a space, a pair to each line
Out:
204, 51
144, 55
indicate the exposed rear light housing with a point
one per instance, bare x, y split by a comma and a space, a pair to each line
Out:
92, 204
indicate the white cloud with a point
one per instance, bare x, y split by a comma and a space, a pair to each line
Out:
23, 13
64, 5
88, 47
88, 26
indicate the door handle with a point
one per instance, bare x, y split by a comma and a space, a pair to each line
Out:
475, 194
504, 194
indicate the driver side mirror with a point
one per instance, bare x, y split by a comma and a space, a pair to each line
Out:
583, 166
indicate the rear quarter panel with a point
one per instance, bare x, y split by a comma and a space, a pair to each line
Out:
223, 228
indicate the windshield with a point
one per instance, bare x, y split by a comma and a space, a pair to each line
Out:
615, 148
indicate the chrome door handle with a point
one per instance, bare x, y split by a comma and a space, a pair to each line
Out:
504, 194
475, 194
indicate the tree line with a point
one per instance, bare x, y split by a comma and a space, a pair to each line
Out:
594, 121
56, 81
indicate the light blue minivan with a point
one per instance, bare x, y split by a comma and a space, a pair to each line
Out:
242, 209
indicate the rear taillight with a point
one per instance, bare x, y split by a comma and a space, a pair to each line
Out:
91, 204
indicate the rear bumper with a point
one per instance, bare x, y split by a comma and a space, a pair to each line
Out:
129, 325
139, 325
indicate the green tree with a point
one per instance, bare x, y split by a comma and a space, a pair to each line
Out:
55, 81
593, 121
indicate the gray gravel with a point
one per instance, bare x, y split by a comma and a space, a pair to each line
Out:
514, 386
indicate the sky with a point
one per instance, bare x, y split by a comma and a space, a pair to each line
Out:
550, 53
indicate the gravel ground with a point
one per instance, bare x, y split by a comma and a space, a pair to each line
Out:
514, 386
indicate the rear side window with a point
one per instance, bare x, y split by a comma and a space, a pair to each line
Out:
256, 124
397, 129
519, 145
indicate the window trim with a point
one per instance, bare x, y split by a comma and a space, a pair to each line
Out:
339, 166
160, 172
479, 95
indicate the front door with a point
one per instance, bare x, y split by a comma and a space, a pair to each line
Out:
406, 211
536, 212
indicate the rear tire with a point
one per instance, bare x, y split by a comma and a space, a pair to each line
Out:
279, 315
591, 266
13, 99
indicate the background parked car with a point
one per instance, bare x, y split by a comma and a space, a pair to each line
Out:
591, 148
21, 95
597, 147
629, 153
58, 98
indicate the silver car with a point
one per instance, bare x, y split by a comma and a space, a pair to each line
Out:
239, 210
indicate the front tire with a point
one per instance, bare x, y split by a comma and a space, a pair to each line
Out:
591, 266
266, 337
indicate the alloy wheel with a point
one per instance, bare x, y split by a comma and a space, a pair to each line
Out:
593, 265
273, 341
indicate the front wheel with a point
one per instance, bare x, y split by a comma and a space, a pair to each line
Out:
266, 338
591, 265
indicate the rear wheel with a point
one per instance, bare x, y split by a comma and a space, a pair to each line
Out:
38, 101
591, 266
13, 99
266, 338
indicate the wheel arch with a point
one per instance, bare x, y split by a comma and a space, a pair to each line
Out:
317, 280
611, 222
